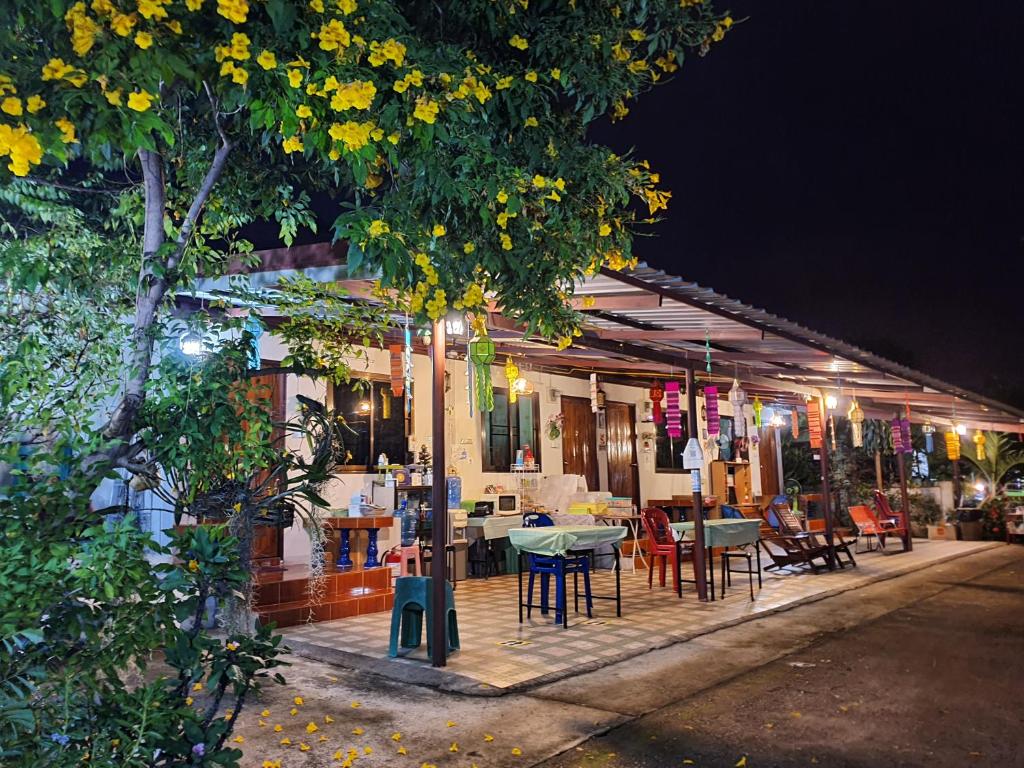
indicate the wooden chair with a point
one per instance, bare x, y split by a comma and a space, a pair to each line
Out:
790, 525
789, 551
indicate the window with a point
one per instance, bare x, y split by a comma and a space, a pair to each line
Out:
377, 420
509, 428
668, 451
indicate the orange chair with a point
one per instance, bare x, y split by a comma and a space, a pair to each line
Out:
868, 525
662, 547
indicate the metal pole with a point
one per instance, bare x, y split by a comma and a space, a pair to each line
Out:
826, 492
699, 566
905, 499
439, 503
778, 461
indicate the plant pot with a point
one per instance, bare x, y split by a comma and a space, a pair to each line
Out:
919, 531
970, 531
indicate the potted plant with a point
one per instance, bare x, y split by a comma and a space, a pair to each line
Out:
555, 426
927, 519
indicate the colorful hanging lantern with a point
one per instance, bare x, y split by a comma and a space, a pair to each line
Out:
594, 406
738, 398
814, 423
758, 410
673, 420
481, 355
979, 444
832, 432
929, 440
656, 394
511, 374
897, 437
711, 409
953, 445
856, 417
385, 403
397, 372
908, 445
794, 424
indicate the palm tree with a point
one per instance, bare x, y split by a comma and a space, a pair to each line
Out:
1000, 457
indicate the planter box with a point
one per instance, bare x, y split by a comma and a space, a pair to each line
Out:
942, 532
970, 531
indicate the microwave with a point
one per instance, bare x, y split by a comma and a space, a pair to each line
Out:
502, 503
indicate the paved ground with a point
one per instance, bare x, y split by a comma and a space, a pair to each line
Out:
924, 669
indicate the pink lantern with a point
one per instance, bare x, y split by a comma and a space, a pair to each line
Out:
711, 408
673, 422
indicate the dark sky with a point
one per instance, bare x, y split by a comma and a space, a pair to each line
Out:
857, 166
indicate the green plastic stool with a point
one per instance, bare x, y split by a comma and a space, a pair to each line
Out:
412, 600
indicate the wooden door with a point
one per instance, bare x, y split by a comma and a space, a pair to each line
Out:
579, 440
269, 389
623, 473
771, 483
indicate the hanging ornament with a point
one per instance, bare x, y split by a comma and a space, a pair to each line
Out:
952, 445
711, 409
979, 444
707, 350
794, 424
385, 403
511, 374
897, 436
673, 420
908, 445
397, 372
407, 367
657, 393
832, 432
758, 410
856, 417
814, 422
593, 393
738, 398
481, 354
929, 440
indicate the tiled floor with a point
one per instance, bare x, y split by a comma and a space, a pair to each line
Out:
500, 652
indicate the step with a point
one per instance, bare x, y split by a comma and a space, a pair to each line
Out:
298, 611
292, 584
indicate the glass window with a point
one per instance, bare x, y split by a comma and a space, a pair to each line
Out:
377, 421
668, 451
509, 428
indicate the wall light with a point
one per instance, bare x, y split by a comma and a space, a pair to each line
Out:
455, 324
191, 345
961, 429
831, 402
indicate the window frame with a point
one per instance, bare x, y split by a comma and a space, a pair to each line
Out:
407, 421
535, 444
658, 470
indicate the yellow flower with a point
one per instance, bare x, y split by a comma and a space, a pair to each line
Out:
294, 78
347, 7
83, 29
55, 69
488, 737
439, 230
285, 741
174, 26
233, 10
289, 145
298, 701
502, 196
303, 111
560, 184
396, 736
389, 50
239, 75
637, 35
539, 181
240, 46
377, 228
197, 686
317, 5
265, 713
519, 42
403, 751
143, 40
193, 565
530, 77
604, 230
271, 764
468, 248
454, 747
239, 739
358, 94
426, 110
367, 750
312, 727
333, 36
123, 23
67, 129
531, 122
357, 731
194, 5
12, 106
103, 7
506, 242
516, 751
556, 73
231, 646
353, 135
153, 9
34, 104
267, 60
328, 719
140, 101
278, 728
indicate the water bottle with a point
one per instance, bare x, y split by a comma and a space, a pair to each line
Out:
409, 519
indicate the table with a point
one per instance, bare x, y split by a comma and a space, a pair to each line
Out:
372, 526
556, 541
493, 526
632, 522
726, 532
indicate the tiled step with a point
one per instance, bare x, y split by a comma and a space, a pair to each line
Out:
283, 597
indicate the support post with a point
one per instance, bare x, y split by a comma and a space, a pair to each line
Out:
781, 489
957, 490
699, 552
439, 504
879, 479
905, 498
826, 491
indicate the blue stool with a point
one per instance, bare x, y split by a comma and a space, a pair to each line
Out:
412, 600
559, 567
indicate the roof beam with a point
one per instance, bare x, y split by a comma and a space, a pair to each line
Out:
677, 335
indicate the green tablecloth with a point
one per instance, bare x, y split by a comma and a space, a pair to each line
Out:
723, 533
555, 540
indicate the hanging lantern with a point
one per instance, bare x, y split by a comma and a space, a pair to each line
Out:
673, 420
397, 372
711, 409
385, 403
794, 424
521, 386
481, 354
856, 417
657, 393
897, 437
738, 398
953, 445
758, 410
908, 445
929, 440
593, 393
832, 432
814, 423
511, 374
979, 444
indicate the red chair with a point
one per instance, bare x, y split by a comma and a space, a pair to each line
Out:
868, 525
895, 522
662, 546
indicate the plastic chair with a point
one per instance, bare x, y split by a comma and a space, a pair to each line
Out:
412, 600
662, 547
559, 567
410, 554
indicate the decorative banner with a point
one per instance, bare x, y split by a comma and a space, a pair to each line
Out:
929, 441
856, 417
908, 445
814, 422
481, 354
511, 374
673, 423
738, 398
397, 372
979, 445
758, 410
657, 393
794, 425
953, 445
407, 365
711, 408
897, 437
594, 406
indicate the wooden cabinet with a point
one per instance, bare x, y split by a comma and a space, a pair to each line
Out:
731, 482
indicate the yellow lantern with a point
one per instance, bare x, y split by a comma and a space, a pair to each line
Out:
856, 417
511, 374
953, 445
979, 444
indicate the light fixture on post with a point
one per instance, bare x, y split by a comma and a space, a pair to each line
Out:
191, 345
776, 419
831, 402
455, 324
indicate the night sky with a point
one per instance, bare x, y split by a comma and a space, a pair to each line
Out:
857, 167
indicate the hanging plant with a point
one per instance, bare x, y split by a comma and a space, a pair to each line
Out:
555, 426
